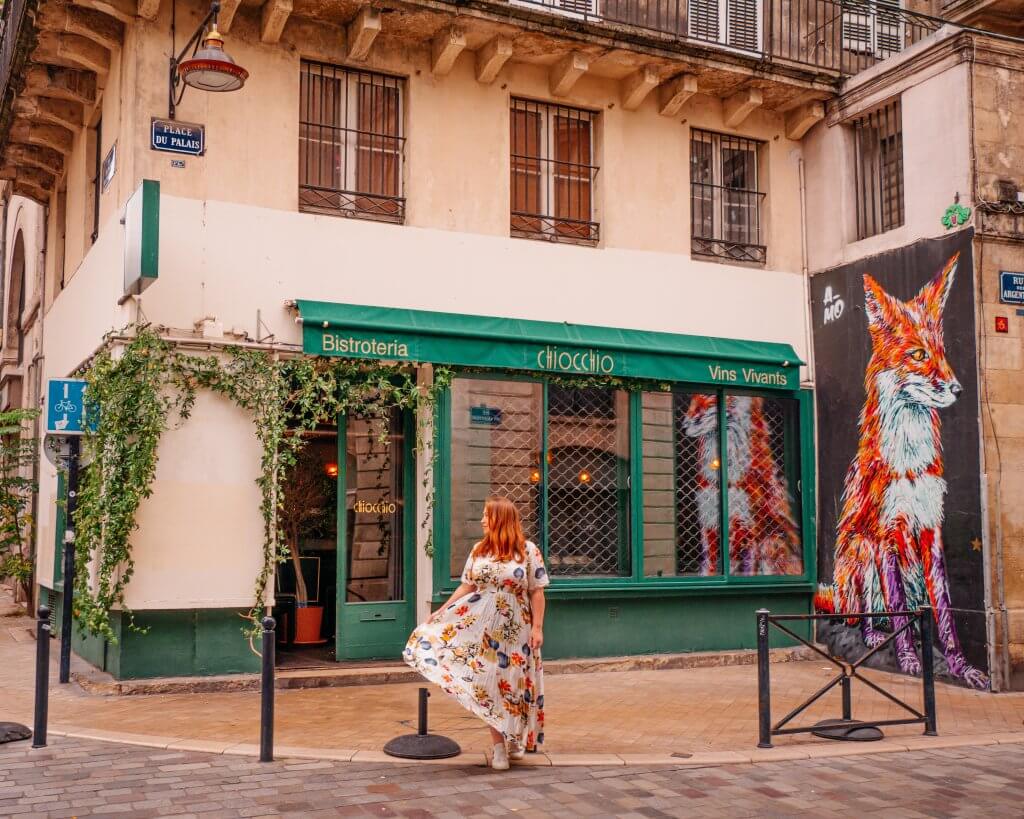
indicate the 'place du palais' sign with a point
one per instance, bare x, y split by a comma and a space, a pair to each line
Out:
523, 355
178, 137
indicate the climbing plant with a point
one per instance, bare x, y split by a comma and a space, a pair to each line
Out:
142, 385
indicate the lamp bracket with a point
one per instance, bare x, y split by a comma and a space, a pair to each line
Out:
193, 42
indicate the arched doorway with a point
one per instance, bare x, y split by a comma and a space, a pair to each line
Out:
15, 337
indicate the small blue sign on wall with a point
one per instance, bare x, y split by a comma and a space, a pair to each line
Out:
485, 416
178, 137
1011, 287
65, 406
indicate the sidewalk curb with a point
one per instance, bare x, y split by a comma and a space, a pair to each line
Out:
400, 673
785, 753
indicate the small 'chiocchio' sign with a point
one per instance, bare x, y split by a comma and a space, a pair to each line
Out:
178, 137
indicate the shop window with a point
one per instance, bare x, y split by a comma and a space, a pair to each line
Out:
683, 501
725, 198
552, 172
878, 170
496, 440
351, 142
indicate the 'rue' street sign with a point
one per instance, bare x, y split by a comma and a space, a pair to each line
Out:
178, 137
1011, 287
485, 416
65, 406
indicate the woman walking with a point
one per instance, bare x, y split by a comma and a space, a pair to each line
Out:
483, 645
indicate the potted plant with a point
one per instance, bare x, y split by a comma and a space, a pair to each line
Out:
304, 510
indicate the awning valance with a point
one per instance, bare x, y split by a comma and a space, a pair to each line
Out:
359, 331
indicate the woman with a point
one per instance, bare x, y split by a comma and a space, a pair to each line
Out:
483, 645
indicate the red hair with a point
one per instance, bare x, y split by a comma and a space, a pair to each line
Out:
504, 539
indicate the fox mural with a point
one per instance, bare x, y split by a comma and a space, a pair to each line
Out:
889, 552
763, 535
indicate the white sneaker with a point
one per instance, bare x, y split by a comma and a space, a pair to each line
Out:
499, 757
515, 752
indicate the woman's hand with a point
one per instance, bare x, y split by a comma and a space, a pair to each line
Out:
536, 638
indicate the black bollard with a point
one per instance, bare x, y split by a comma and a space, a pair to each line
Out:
764, 691
927, 670
42, 678
422, 744
267, 693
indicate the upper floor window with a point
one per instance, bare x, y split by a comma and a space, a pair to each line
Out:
725, 200
734, 23
878, 170
553, 171
351, 142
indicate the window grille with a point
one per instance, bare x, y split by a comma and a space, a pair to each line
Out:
351, 143
553, 171
878, 170
725, 203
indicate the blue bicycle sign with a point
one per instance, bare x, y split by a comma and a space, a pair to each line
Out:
66, 407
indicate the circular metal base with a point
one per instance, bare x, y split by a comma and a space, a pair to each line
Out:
13, 732
422, 746
848, 730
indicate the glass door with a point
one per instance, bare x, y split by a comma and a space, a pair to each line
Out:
376, 572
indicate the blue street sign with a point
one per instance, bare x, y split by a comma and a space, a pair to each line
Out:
1011, 287
65, 406
178, 137
485, 416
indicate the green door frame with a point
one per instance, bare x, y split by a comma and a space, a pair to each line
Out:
377, 630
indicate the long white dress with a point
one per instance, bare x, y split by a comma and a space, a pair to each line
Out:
478, 648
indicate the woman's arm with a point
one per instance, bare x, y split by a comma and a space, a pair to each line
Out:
461, 591
537, 604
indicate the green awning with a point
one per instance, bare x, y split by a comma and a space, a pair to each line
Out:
359, 331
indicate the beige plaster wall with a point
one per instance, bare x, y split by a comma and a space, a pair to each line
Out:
936, 166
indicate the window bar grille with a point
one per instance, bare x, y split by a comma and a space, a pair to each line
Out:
351, 142
878, 170
552, 172
725, 203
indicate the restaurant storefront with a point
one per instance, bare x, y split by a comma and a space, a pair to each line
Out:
668, 479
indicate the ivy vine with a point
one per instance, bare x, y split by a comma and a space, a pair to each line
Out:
141, 386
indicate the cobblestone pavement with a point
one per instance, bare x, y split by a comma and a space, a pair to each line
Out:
81, 778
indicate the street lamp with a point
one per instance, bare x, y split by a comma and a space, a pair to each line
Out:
210, 68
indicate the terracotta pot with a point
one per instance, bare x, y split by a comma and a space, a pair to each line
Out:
307, 624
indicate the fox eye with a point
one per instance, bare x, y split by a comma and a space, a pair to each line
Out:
919, 354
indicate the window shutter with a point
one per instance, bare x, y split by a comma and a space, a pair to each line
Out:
580, 7
742, 24
703, 20
888, 28
858, 25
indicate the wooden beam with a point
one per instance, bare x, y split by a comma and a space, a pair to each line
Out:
802, 118
445, 49
275, 15
123, 10
637, 86
73, 50
61, 83
492, 58
149, 9
36, 156
738, 107
54, 111
362, 31
227, 14
59, 139
566, 72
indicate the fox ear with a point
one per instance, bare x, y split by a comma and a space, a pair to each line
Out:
933, 295
877, 303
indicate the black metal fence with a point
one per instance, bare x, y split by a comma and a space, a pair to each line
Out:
846, 36
847, 673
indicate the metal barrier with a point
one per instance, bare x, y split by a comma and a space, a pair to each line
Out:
42, 706
847, 673
267, 692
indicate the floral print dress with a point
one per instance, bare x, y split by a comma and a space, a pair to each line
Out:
478, 649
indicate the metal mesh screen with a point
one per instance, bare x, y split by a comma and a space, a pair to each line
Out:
698, 484
764, 533
588, 487
496, 444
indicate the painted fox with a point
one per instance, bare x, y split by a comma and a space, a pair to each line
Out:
763, 537
889, 553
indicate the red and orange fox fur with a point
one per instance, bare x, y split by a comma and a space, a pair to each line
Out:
889, 552
763, 537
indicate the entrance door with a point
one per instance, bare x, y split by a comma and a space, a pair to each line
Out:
376, 526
